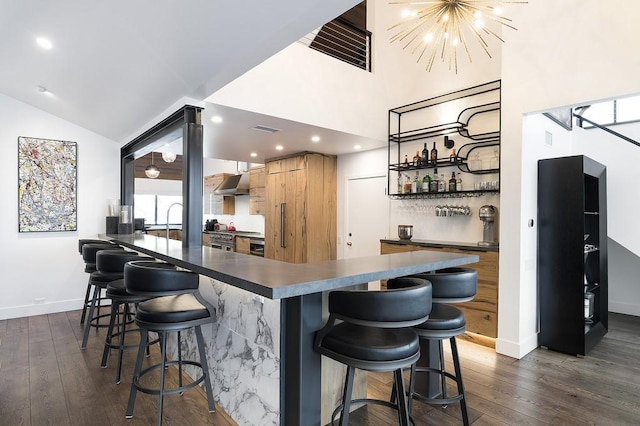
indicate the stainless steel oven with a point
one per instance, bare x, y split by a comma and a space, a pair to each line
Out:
223, 240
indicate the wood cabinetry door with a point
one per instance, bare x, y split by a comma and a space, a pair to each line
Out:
285, 217
257, 190
243, 245
213, 203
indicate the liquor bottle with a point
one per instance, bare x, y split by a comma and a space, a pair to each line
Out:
452, 182
416, 159
434, 155
434, 185
426, 182
452, 156
407, 185
442, 186
459, 183
406, 162
425, 155
415, 185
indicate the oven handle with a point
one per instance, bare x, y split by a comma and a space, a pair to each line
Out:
283, 240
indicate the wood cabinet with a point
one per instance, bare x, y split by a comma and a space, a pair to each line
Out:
206, 239
572, 253
174, 234
300, 214
257, 190
217, 204
243, 245
482, 312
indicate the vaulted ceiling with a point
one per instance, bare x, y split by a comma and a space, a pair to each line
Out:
115, 65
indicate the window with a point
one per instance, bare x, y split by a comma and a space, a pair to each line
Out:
619, 111
153, 208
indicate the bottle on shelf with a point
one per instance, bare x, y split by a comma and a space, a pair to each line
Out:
415, 185
452, 156
433, 185
459, 183
442, 186
425, 155
426, 182
417, 161
406, 162
407, 185
452, 182
434, 155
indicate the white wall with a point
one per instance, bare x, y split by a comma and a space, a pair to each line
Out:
419, 213
563, 53
47, 265
621, 159
303, 85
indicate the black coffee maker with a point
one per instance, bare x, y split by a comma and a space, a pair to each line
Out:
210, 225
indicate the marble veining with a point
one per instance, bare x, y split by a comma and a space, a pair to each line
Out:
243, 352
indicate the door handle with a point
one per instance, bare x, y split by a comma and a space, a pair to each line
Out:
349, 243
283, 239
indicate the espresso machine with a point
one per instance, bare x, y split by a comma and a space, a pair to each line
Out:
487, 215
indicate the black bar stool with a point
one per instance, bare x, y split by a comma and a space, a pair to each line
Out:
109, 267
176, 306
89, 252
120, 300
450, 285
90, 266
374, 334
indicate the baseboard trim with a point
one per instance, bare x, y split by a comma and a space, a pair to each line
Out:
517, 349
624, 308
40, 309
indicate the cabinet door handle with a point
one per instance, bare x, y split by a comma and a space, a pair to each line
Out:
283, 240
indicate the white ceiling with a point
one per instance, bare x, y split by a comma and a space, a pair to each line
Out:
115, 65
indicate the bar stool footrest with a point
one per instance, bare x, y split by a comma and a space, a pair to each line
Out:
167, 391
431, 400
367, 401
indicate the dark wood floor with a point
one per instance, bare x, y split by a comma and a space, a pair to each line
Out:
46, 379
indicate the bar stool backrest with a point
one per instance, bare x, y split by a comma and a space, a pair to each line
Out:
153, 279
89, 250
83, 241
114, 260
399, 308
452, 285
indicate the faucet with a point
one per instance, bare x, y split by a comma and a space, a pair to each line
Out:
168, 211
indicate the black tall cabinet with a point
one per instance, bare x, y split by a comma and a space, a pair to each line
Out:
572, 253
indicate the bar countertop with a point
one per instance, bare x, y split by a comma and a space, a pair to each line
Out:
280, 280
442, 244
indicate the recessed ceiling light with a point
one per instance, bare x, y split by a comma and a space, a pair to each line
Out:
216, 119
254, 154
279, 147
44, 43
315, 138
356, 147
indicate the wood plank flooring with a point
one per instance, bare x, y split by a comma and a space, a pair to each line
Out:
46, 379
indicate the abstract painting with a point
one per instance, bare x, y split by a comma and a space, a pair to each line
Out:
47, 179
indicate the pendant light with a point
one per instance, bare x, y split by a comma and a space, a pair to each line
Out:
168, 157
152, 171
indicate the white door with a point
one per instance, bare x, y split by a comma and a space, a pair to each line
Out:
366, 215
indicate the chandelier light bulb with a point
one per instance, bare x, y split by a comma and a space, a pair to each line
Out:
469, 22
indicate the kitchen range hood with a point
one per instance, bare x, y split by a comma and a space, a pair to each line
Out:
234, 185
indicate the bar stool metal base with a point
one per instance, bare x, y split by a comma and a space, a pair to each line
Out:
162, 366
121, 319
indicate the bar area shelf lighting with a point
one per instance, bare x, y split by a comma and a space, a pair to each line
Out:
442, 28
